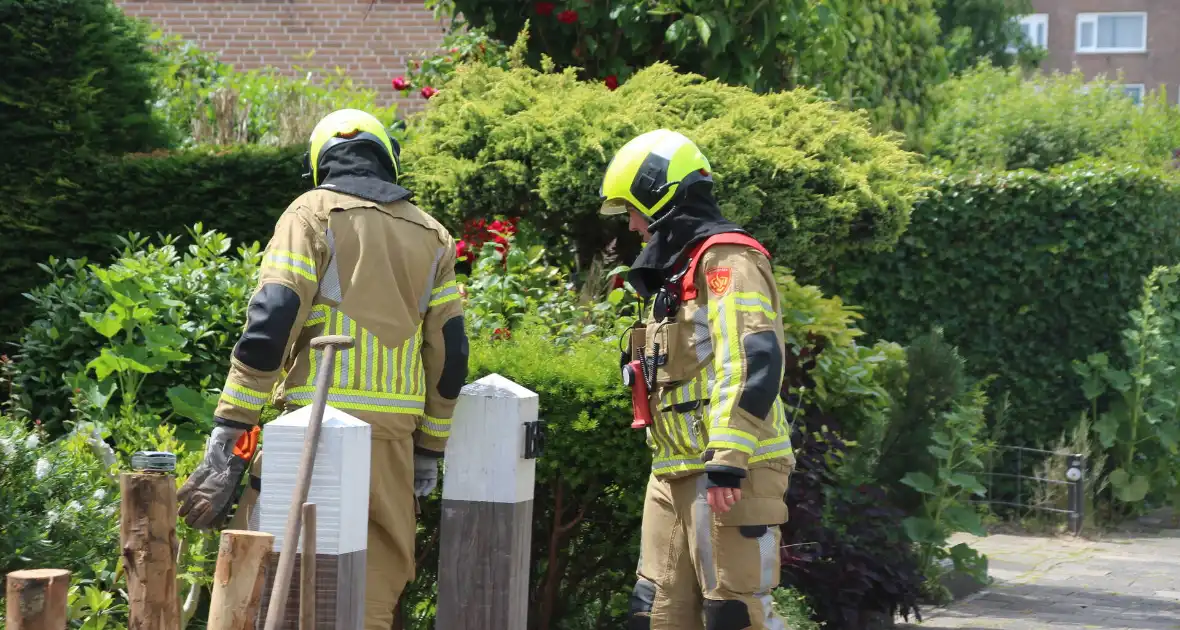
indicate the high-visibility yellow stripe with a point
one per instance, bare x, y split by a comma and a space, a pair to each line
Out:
319, 314
244, 397
291, 261
675, 464
418, 385
367, 370
727, 361
438, 427
446, 293
726, 437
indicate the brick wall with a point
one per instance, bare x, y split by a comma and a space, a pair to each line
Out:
1155, 69
371, 40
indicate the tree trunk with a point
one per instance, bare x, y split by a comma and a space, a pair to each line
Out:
147, 531
38, 599
238, 579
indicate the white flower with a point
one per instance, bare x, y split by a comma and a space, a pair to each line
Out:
42, 468
100, 494
73, 506
5, 446
52, 516
32, 441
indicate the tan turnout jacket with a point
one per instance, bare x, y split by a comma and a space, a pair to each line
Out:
710, 404
382, 274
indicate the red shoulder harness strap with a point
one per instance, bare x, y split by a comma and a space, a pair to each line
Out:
688, 289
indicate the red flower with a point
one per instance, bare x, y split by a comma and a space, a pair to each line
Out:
501, 244
612, 82
463, 250
501, 333
400, 83
545, 8
455, 49
569, 16
428, 92
618, 282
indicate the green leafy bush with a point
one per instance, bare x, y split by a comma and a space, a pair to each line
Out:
1025, 272
191, 306
1001, 119
239, 192
808, 179
61, 510
1133, 396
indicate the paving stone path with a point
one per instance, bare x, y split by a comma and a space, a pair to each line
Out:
1125, 581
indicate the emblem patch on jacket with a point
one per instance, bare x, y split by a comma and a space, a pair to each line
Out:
718, 280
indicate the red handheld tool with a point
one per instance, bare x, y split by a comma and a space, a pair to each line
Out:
633, 378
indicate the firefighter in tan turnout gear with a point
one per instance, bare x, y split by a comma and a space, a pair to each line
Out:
352, 256
705, 366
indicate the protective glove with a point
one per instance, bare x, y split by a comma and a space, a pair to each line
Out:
206, 498
425, 475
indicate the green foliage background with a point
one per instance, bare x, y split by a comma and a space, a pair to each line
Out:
809, 180
882, 55
1026, 272
241, 191
993, 118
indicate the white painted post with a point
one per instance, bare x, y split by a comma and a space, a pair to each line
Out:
340, 491
487, 509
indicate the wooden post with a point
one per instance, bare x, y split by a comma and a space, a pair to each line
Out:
340, 491
307, 570
487, 508
238, 579
147, 531
38, 599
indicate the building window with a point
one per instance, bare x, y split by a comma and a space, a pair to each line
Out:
1112, 32
1135, 91
1035, 29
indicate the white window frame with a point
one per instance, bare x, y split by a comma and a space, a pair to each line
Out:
1139, 86
1033, 20
1092, 18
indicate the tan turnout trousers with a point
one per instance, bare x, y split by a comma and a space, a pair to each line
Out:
688, 551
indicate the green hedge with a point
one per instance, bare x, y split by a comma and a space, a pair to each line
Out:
77, 78
806, 177
239, 192
1027, 271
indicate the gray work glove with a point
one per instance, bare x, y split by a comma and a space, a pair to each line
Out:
205, 499
425, 475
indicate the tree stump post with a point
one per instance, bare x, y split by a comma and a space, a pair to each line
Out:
38, 599
238, 579
147, 531
487, 508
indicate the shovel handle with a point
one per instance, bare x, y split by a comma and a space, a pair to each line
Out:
283, 573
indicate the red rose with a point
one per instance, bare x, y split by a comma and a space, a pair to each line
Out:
618, 282
428, 92
545, 8
463, 250
569, 16
612, 82
400, 83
